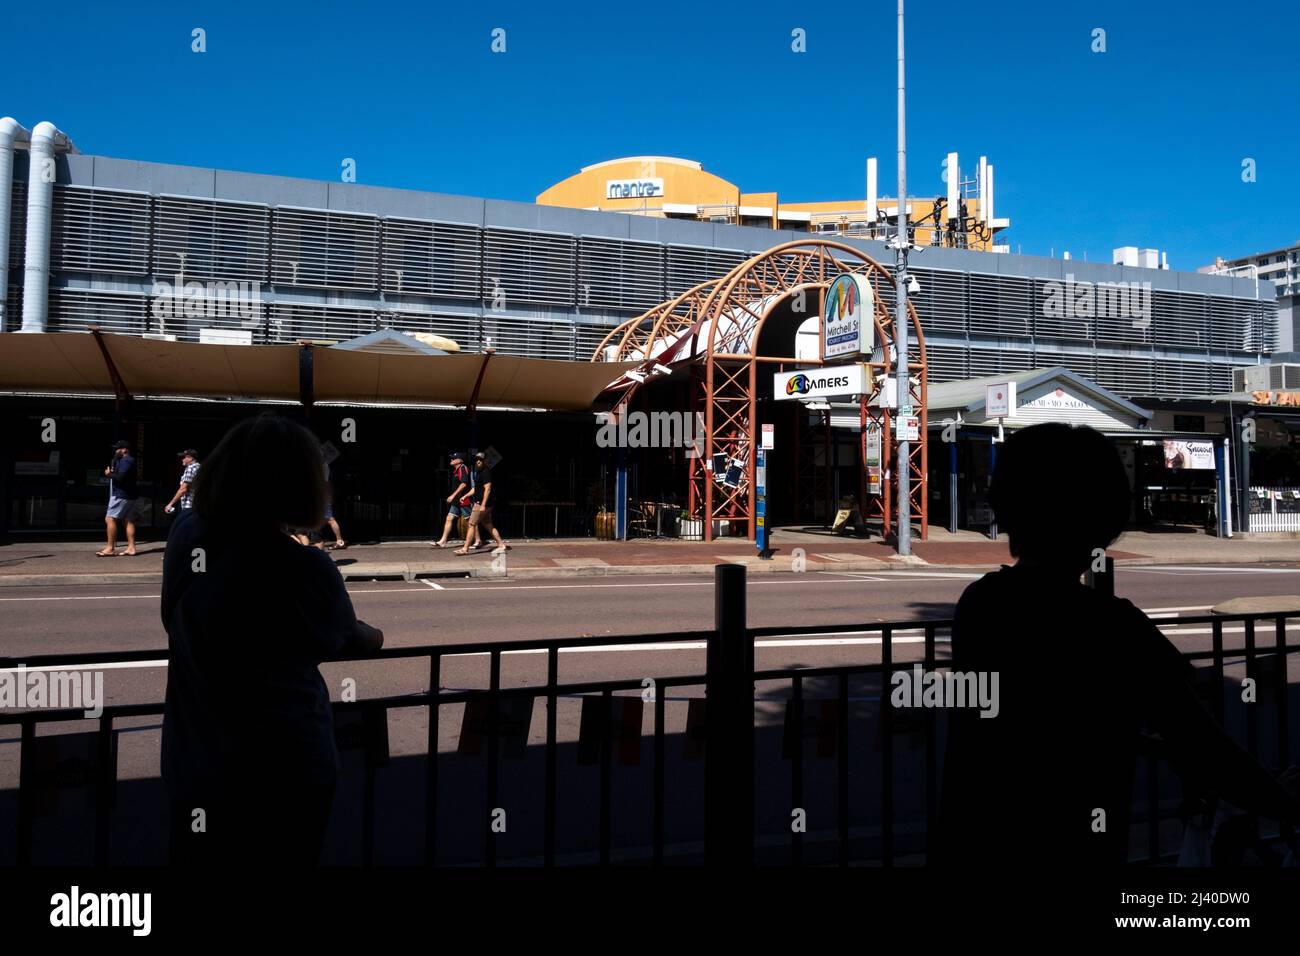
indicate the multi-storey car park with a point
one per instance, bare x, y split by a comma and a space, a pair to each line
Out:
333, 262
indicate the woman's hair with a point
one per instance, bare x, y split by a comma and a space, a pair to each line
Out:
265, 472
1059, 491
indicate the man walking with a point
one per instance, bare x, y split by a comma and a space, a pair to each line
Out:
481, 514
185, 490
459, 502
121, 500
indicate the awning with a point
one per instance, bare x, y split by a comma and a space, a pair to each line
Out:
72, 361
61, 362
449, 379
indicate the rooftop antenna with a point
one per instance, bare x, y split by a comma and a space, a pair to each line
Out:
871, 192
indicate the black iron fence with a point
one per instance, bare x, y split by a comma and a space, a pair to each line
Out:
721, 727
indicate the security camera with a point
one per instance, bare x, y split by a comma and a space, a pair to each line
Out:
912, 285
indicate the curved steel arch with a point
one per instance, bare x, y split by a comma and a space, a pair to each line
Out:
733, 310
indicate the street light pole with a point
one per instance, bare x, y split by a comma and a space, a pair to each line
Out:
902, 461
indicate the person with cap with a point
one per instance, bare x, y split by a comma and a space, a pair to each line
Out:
185, 490
480, 517
459, 502
121, 500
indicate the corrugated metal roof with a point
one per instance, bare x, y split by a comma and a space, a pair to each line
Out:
968, 395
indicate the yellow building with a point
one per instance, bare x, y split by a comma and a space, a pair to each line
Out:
672, 188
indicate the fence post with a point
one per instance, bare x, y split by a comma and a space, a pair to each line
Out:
1103, 580
729, 726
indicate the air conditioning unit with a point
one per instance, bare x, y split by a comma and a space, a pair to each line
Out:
226, 336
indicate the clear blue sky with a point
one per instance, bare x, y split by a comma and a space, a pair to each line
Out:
1140, 145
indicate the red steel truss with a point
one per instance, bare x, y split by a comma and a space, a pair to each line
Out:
715, 329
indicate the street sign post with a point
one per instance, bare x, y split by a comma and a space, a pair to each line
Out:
760, 504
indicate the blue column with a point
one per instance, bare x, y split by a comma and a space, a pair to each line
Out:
620, 496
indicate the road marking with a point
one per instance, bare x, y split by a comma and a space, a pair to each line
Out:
115, 665
433, 584
701, 645
828, 639
1189, 570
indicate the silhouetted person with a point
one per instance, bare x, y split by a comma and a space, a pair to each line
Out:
248, 732
1080, 675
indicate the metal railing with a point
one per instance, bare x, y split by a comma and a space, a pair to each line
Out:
730, 834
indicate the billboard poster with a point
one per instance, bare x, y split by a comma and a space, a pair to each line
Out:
1189, 455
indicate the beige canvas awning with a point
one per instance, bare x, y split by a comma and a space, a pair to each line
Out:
73, 362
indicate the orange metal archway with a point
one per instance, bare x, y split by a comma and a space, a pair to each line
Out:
715, 328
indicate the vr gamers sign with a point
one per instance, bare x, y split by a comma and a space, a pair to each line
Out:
633, 188
819, 382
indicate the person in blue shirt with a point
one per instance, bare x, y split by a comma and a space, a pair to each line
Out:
121, 500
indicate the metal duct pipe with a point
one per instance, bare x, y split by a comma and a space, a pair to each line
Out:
46, 138
11, 131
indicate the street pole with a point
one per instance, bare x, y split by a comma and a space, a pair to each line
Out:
902, 461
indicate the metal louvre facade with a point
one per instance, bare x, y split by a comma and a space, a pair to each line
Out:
328, 262
100, 231
207, 239
437, 259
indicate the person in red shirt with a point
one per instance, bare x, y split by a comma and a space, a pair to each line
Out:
460, 502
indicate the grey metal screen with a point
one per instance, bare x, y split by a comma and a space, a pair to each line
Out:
528, 267
616, 274
324, 249
209, 239
75, 310
99, 231
289, 322
441, 259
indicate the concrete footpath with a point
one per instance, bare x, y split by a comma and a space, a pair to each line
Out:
27, 563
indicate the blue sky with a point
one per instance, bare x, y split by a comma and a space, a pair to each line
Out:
1140, 145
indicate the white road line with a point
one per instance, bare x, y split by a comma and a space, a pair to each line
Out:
829, 639
1189, 570
434, 584
700, 645
115, 665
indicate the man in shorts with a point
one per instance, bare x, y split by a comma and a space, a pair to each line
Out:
460, 501
480, 518
121, 500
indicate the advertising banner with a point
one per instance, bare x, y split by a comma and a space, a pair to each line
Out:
848, 318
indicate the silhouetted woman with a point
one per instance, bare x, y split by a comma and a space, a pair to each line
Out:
248, 739
1050, 778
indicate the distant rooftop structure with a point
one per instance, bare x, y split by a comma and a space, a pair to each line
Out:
1279, 266
667, 187
1139, 258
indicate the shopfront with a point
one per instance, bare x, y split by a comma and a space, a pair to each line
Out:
1176, 473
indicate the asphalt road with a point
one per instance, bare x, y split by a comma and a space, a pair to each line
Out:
79, 620
72, 620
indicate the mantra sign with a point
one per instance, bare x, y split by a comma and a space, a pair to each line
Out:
633, 188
